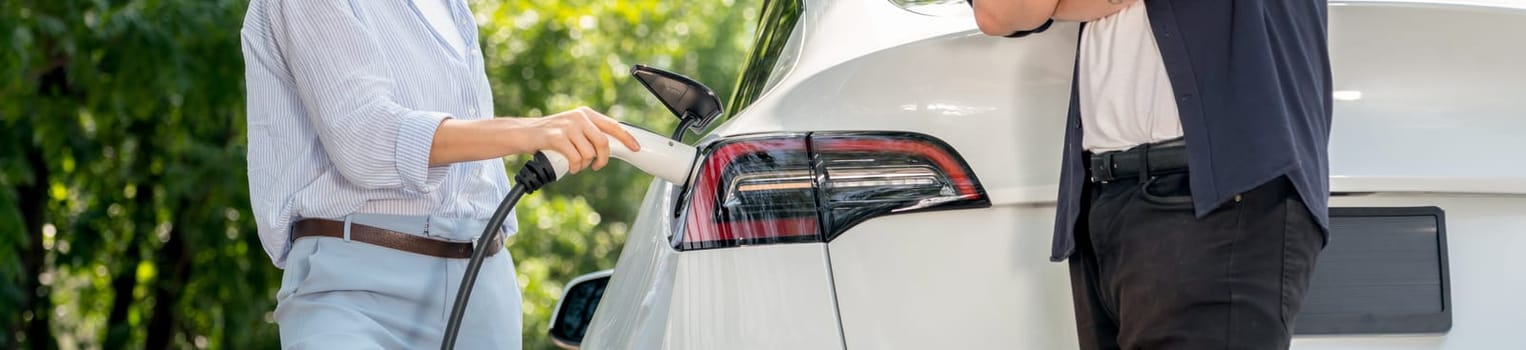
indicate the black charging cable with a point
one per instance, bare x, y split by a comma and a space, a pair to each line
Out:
538, 172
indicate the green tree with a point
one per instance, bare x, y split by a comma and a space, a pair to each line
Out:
123, 175
124, 215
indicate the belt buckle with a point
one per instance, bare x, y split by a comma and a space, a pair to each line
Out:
1108, 164
1101, 167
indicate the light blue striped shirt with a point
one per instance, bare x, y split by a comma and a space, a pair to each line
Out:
344, 98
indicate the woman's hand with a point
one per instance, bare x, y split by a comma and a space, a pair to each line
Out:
577, 134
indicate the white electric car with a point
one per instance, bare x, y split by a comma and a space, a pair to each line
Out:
886, 180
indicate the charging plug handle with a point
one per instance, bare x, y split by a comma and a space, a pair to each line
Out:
662, 157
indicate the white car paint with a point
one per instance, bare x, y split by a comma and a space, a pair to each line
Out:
1436, 124
725, 299
738, 295
637, 317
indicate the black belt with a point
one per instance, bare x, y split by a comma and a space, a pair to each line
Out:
1142, 162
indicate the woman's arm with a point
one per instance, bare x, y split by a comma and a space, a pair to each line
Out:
578, 134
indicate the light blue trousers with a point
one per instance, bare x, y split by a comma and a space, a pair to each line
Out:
338, 294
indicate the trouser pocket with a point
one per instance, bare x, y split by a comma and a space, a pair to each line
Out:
1300, 251
298, 267
1171, 190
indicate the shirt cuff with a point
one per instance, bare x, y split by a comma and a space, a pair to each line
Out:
415, 137
1041, 28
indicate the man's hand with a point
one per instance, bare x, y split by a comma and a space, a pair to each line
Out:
1088, 10
577, 134
1003, 17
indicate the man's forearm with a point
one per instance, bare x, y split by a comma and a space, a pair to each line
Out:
1002, 17
1088, 10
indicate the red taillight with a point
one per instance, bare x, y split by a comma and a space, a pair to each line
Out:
712, 223
812, 187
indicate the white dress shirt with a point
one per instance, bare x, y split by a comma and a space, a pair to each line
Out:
1125, 97
343, 101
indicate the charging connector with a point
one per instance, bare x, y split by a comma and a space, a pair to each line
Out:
664, 158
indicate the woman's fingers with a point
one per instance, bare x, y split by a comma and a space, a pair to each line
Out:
568, 150
586, 152
582, 135
613, 128
595, 137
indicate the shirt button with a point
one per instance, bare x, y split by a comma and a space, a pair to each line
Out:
477, 171
471, 111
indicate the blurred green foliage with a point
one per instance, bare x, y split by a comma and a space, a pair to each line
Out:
124, 212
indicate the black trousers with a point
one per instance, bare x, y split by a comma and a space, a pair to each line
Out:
1148, 274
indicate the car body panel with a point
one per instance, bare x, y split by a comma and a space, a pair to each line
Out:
1483, 238
958, 279
1436, 124
714, 299
1438, 102
734, 299
634, 311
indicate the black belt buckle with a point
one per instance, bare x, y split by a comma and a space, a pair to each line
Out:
1105, 173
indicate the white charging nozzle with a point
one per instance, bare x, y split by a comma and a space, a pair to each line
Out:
660, 156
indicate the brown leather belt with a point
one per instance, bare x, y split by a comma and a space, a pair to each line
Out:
390, 239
